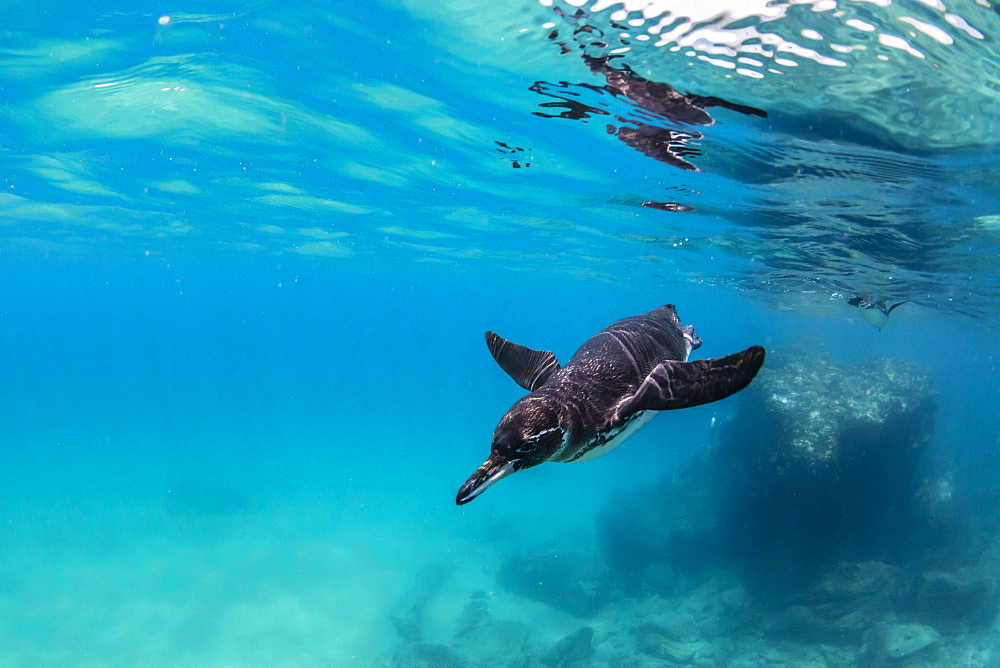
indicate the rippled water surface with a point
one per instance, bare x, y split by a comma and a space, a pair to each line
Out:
249, 251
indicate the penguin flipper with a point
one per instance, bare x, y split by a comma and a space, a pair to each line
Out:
529, 368
889, 310
674, 384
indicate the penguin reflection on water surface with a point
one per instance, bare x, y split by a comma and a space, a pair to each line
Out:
875, 313
605, 393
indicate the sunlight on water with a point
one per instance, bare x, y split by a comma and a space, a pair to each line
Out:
250, 251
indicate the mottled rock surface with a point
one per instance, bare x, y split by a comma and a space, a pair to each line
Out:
575, 582
830, 460
821, 420
893, 642
425, 655
842, 605
820, 464
964, 599
675, 522
575, 649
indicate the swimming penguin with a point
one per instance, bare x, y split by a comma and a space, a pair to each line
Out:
608, 391
875, 312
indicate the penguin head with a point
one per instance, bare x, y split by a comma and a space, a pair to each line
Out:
529, 434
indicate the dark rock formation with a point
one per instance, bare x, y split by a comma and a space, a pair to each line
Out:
650, 533
425, 655
482, 640
408, 620
574, 582
475, 617
815, 422
959, 601
659, 643
889, 644
842, 605
820, 464
829, 464
576, 649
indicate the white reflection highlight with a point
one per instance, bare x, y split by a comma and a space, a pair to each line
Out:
858, 24
725, 30
931, 31
899, 43
962, 24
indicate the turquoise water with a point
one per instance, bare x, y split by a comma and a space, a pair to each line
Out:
249, 252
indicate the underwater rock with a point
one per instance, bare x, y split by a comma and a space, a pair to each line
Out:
830, 469
499, 638
782, 654
409, 618
479, 638
822, 419
804, 623
697, 628
842, 605
894, 642
965, 599
575, 649
574, 582
660, 643
425, 655
864, 584
822, 463
653, 536
671, 622
408, 626
474, 617
720, 607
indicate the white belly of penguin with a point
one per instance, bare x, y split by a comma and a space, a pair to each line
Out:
875, 317
612, 439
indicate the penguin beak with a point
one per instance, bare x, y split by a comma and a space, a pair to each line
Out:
493, 469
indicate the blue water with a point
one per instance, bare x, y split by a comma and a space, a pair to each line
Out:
248, 252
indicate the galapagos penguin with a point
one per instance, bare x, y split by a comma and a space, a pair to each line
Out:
876, 313
608, 390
